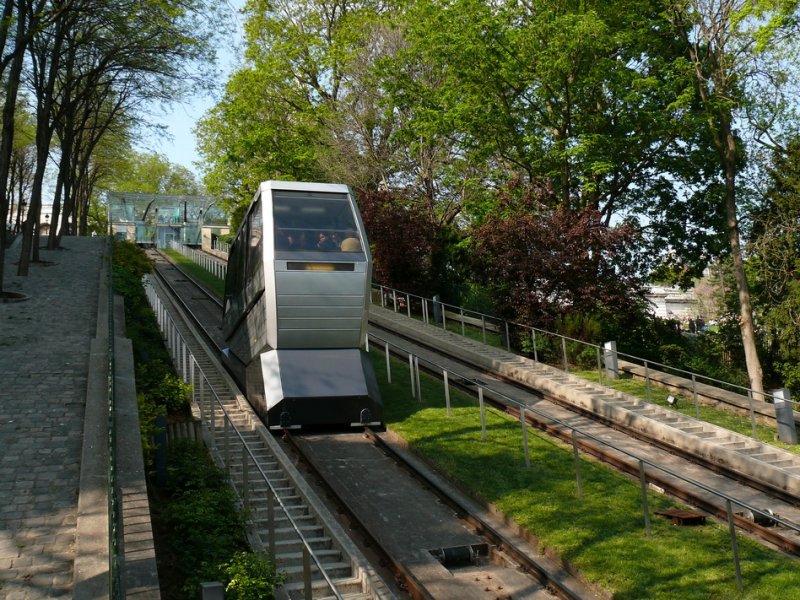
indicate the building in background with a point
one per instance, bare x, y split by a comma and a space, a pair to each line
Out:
159, 219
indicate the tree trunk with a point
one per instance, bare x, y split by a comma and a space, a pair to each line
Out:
6, 145
746, 326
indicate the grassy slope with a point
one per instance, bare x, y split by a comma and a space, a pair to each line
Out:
602, 534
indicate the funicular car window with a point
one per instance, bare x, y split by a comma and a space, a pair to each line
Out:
321, 222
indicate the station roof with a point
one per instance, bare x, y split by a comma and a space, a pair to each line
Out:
131, 207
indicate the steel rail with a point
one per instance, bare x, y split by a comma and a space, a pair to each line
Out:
226, 415
509, 403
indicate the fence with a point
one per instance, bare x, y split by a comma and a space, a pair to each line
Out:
211, 264
644, 465
228, 442
545, 346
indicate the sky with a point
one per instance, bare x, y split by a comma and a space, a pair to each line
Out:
179, 147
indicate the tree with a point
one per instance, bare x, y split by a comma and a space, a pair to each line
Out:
774, 264
723, 39
542, 261
588, 95
402, 240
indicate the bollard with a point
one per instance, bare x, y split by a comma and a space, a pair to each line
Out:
611, 360
787, 432
212, 590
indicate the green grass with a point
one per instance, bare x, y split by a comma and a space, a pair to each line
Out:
722, 418
602, 534
202, 275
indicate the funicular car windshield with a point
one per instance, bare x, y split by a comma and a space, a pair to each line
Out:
314, 221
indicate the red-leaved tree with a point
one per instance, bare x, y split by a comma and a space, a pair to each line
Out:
544, 263
402, 240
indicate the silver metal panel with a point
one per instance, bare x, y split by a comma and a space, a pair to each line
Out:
317, 373
334, 338
355, 302
321, 312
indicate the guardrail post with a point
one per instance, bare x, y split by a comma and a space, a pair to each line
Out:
535, 352
734, 545
394, 299
647, 381
483, 414
411, 373
408, 305
564, 351
483, 327
577, 456
416, 376
366, 343
599, 366
307, 572
245, 479
191, 379
463, 327
425, 310
383, 297
226, 456
752, 412
271, 521
388, 364
697, 404
524, 424
645, 505
203, 416
508, 338
446, 382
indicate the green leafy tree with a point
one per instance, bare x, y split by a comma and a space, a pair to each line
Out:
151, 173
774, 265
724, 41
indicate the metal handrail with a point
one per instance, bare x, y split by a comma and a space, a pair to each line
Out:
575, 431
177, 346
749, 392
114, 514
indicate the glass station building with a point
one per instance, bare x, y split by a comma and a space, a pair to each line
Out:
158, 219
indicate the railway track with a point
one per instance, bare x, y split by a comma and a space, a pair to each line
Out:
669, 469
429, 568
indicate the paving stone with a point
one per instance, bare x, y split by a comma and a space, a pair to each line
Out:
46, 342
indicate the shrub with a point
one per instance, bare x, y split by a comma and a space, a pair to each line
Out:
251, 576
